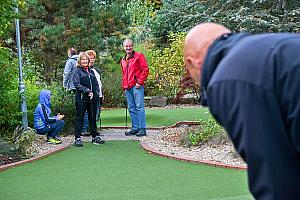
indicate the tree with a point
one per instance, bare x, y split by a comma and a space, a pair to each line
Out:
49, 27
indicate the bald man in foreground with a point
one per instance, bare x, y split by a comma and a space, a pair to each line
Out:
252, 86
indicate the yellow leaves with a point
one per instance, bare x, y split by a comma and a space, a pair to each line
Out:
168, 65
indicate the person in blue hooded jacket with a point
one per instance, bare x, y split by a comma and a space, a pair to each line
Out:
251, 85
44, 122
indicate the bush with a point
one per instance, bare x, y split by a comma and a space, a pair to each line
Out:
113, 92
23, 139
63, 102
207, 129
9, 113
167, 67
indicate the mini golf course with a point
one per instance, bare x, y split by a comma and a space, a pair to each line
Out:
167, 117
119, 170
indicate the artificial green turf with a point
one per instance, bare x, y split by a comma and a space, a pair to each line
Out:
167, 117
119, 170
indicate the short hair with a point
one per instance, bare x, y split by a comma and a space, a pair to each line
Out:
81, 54
91, 53
127, 40
72, 51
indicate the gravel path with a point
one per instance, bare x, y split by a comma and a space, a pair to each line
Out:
166, 141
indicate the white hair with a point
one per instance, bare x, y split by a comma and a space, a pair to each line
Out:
127, 40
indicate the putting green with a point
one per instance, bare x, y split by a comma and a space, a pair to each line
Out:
119, 170
167, 117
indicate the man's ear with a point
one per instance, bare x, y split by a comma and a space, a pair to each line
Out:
188, 63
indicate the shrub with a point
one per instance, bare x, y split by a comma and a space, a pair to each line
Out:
167, 67
23, 139
111, 82
207, 129
63, 102
113, 94
9, 112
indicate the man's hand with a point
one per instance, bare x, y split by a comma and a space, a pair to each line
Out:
137, 85
60, 117
91, 95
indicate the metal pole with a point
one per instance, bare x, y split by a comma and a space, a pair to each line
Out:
21, 83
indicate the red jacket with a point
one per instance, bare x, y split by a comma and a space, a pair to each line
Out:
134, 69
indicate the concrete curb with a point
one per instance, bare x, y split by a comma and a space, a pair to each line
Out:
147, 148
21, 162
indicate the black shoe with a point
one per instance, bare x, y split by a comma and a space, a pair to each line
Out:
142, 132
131, 132
97, 140
78, 142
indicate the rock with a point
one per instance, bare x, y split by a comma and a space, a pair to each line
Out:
156, 101
7, 148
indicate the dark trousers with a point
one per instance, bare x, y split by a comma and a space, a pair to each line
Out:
81, 108
51, 130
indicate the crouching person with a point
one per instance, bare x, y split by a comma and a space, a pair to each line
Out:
44, 123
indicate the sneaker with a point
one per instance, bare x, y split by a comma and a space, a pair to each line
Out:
131, 132
57, 138
78, 142
97, 140
142, 132
53, 141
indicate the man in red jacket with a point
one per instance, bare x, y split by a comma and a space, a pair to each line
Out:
134, 73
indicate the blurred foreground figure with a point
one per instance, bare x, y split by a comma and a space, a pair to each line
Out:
252, 87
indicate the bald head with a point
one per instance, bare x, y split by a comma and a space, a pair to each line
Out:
196, 45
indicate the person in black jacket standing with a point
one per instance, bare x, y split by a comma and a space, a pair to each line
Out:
252, 84
86, 98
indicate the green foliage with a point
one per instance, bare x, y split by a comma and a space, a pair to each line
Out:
23, 139
207, 129
167, 67
139, 30
6, 15
50, 27
9, 112
63, 102
10, 115
239, 15
175, 16
112, 86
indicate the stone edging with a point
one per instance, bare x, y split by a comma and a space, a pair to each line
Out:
21, 162
147, 148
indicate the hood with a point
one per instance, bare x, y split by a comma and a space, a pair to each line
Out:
74, 57
216, 52
45, 98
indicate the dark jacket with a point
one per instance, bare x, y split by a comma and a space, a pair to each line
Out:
69, 70
85, 82
253, 89
42, 114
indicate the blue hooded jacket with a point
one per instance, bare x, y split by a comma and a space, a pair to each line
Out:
42, 112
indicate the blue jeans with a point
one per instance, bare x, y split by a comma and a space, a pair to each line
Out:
85, 127
136, 108
51, 130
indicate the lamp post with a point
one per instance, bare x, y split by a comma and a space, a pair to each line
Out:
21, 83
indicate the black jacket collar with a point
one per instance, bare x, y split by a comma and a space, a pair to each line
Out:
216, 52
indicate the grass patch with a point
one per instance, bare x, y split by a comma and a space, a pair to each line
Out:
154, 116
119, 170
